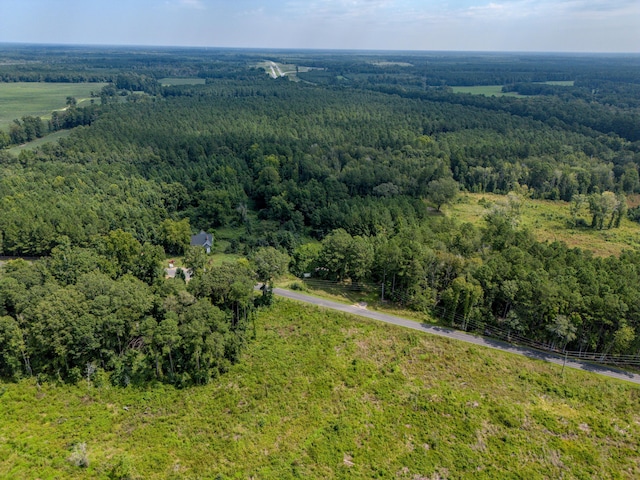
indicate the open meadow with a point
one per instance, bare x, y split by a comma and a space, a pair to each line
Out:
52, 137
488, 90
550, 221
21, 99
181, 81
325, 395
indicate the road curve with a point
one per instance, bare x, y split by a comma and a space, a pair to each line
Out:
457, 335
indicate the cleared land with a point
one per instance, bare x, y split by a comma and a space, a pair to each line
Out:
277, 70
488, 90
561, 83
550, 221
181, 81
52, 137
40, 99
392, 64
362, 311
327, 395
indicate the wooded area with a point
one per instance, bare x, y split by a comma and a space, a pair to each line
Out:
344, 170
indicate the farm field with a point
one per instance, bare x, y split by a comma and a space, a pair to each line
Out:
40, 99
488, 90
549, 221
276, 70
561, 83
325, 395
181, 81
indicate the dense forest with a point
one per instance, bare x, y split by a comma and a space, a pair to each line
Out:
342, 168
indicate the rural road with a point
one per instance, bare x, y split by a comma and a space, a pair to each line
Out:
457, 335
277, 67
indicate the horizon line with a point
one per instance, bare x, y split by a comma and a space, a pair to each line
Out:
315, 49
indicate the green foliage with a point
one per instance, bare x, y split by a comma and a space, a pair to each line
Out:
350, 167
269, 263
304, 258
175, 235
229, 286
333, 392
195, 259
442, 190
77, 316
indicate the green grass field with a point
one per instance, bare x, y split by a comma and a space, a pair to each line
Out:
488, 90
52, 137
561, 83
549, 221
40, 99
288, 70
181, 81
392, 64
325, 395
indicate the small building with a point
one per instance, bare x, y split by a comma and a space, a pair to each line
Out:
203, 239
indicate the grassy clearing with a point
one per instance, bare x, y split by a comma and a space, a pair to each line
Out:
488, 90
392, 64
40, 99
549, 221
561, 83
289, 70
325, 395
52, 137
181, 81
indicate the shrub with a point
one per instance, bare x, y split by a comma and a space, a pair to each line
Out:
79, 456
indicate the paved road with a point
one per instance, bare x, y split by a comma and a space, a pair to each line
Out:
457, 335
277, 67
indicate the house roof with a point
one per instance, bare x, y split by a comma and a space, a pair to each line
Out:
202, 239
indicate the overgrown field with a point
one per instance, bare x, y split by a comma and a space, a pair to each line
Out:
550, 221
488, 90
323, 395
21, 99
181, 81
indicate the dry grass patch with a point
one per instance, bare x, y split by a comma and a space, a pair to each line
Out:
550, 221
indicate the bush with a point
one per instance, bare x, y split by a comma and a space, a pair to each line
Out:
298, 287
79, 456
123, 469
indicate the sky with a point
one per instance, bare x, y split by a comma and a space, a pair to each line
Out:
467, 25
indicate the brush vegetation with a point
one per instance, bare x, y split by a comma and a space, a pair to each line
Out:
551, 221
326, 395
488, 90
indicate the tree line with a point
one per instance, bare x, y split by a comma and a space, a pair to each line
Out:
497, 275
107, 314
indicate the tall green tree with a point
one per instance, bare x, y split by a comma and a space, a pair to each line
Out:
175, 235
442, 190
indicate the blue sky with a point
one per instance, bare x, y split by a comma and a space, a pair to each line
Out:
499, 25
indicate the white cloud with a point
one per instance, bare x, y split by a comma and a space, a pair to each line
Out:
194, 4
554, 9
341, 9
